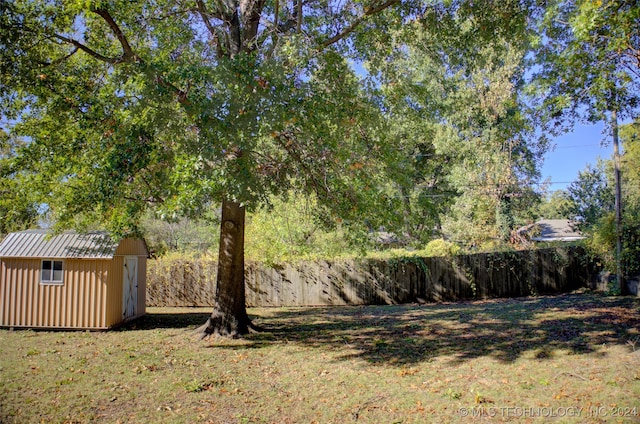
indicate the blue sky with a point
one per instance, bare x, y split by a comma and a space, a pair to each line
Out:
573, 152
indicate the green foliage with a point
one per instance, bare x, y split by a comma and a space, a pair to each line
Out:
630, 164
441, 247
130, 106
592, 198
290, 230
630, 255
398, 261
591, 195
555, 206
589, 71
17, 210
588, 65
182, 236
451, 86
601, 243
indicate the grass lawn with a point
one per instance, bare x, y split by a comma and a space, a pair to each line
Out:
571, 358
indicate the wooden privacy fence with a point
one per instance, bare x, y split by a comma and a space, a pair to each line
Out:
370, 281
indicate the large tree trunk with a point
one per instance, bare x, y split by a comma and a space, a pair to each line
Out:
229, 316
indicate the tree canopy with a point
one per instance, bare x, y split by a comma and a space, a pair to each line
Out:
452, 85
135, 104
589, 59
114, 108
16, 211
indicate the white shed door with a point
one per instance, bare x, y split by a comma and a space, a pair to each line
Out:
130, 289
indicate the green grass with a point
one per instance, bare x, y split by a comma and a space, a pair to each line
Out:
506, 359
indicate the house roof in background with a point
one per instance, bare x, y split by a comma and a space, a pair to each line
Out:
44, 244
557, 230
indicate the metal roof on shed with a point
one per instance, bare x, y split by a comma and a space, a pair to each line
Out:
43, 244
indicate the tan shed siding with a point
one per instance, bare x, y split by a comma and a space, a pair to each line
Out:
114, 304
75, 289
7, 276
142, 286
78, 303
56, 294
102, 293
4, 290
86, 294
16, 290
75, 277
132, 247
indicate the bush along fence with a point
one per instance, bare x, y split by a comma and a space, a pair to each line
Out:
369, 281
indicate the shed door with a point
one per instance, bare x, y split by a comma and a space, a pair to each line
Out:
130, 289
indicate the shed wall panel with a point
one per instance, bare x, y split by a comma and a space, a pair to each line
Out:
80, 302
142, 286
132, 247
114, 305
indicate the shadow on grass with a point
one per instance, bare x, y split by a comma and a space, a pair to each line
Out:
159, 320
501, 329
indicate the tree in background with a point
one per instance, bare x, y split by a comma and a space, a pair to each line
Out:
289, 231
593, 205
630, 165
557, 205
590, 70
16, 211
452, 89
630, 138
182, 235
178, 105
175, 106
591, 196
588, 62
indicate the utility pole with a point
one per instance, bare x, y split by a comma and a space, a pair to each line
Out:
618, 201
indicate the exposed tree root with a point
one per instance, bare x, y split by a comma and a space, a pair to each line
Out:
224, 326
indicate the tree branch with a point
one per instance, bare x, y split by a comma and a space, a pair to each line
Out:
299, 16
62, 59
127, 51
202, 10
348, 30
90, 52
287, 141
276, 11
181, 95
251, 11
128, 55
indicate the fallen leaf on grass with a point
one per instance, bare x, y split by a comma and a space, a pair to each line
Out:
407, 371
479, 399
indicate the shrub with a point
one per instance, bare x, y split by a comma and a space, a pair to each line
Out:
441, 247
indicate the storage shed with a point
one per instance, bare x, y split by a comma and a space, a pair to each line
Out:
71, 280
